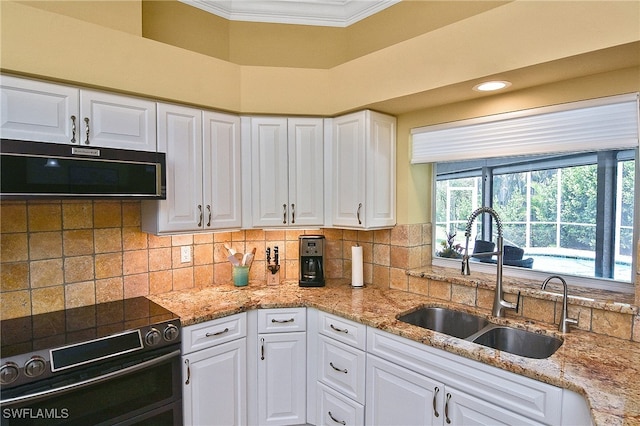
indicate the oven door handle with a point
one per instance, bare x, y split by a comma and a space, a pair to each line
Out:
92, 381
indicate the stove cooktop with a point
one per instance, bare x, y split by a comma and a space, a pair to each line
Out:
40, 346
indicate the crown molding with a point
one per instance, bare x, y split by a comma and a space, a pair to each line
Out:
328, 13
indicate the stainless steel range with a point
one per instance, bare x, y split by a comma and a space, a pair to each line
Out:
110, 363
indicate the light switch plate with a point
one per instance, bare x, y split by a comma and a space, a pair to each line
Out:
185, 254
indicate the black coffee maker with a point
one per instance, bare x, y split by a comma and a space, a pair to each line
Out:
311, 260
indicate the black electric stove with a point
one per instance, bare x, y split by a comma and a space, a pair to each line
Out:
39, 346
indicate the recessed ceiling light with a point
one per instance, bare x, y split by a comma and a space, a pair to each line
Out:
489, 86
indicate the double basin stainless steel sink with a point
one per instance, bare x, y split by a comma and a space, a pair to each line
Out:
478, 330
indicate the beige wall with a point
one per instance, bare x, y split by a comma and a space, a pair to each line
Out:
65, 46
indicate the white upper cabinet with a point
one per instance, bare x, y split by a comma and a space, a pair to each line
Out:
362, 171
222, 171
39, 111
47, 112
117, 121
203, 172
287, 187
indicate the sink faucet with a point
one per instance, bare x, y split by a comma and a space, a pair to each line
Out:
499, 304
565, 321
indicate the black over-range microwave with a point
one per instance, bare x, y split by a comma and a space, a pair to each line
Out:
50, 170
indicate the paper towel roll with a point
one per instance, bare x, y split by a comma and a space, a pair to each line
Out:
357, 274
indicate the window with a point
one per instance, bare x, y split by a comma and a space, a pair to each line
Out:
564, 179
570, 213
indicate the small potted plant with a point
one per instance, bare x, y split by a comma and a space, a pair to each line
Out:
449, 247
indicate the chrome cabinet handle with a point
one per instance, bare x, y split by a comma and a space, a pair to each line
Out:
262, 349
86, 121
293, 213
446, 409
338, 369
200, 214
342, 422
284, 213
226, 330
436, 390
209, 220
73, 129
339, 330
358, 213
282, 321
186, 362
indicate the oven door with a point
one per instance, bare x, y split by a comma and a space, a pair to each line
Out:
124, 392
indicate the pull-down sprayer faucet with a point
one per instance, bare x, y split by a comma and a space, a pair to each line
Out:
499, 304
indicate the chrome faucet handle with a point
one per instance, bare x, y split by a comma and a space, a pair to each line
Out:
565, 322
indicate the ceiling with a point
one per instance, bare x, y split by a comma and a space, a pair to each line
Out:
327, 13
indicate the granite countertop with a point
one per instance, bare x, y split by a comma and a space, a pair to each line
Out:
603, 369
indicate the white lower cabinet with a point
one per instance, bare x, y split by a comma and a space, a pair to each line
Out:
356, 375
282, 367
398, 396
214, 372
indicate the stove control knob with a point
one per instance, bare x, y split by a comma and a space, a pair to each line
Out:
170, 333
35, 366
9, 372
153, 337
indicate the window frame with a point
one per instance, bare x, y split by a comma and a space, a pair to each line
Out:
537, 275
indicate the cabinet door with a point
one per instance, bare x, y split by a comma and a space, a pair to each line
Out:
38, 111
397, 396
348, 171
180, 137
116, 121
221, 170
306, 171
215, 385
282, 378
269, 181
463, 409
380, 207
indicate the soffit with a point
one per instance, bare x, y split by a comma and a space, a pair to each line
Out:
327, 13
621, 57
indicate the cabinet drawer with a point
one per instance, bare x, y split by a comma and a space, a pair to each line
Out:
211, 333
282, 320
343, 330
336, 409
342, 367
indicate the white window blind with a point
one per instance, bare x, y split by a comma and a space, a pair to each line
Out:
605, 123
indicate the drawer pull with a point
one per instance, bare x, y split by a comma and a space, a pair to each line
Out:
226, 330
436, 390
186, 362
446, 409
342, 422
338, 369
282, 321
339, 330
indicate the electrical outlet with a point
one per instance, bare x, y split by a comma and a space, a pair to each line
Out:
185, 254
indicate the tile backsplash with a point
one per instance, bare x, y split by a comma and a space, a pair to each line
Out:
64, 254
